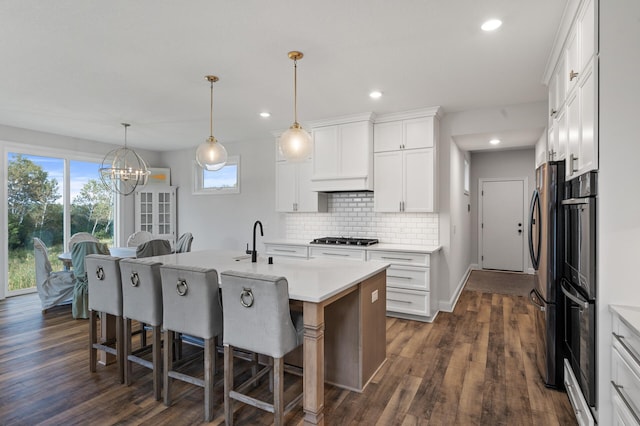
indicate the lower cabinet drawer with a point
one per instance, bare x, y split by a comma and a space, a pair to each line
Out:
396, 257
625, 379
337, 253
286, 250
623, 333
408, 277
579, 404
408, 301
622, 415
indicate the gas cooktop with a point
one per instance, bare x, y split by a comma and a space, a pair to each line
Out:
345, 241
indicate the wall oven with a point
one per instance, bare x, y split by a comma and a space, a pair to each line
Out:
578, 284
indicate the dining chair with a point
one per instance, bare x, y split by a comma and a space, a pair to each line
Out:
54, 287
80, 236
142, 301
183, 245
138, 238
80, 250
257, 318
191, 306
105, 298
153, 248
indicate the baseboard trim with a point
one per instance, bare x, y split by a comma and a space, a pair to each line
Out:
448, 306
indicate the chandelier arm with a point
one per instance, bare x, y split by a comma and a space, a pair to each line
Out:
295, 90
211, 115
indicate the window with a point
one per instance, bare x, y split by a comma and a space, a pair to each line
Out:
467, 177
51, 196
223, 181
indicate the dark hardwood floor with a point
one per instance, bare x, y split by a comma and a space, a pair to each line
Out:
474, 366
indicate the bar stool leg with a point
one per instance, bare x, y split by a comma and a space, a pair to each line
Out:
157, 362
168, 365
209, 372
127, 351
93, 339
120, 348
228, 384
278, 391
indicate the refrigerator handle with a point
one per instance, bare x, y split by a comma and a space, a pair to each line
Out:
534, 302
534, 254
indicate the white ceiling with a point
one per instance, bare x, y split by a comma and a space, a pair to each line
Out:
81, 67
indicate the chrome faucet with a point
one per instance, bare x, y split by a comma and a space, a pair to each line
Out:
254, 253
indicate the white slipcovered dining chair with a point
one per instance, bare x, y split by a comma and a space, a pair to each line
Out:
54, 288
105, 297
191, 306
153, 248
80, 236
183, 245
257, 318
142, 301
138, 238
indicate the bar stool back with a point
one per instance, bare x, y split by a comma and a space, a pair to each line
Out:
191, 302
257, 318
105, 296
142, 301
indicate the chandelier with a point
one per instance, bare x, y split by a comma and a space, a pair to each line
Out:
123, 169
295, 143
211, 155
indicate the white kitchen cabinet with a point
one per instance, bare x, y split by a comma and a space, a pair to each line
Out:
582, 147
343, 154
625, 365
578, 403
408, 283
541, 149
286, 250
405, 181
293, 189
155, 211
404, 134
337, 252
573, 114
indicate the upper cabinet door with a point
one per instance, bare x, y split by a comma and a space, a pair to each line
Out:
419, 174
325, 151
387, 195
387, 136
587, 29
418, 133
286, 186
573, 64
354, 149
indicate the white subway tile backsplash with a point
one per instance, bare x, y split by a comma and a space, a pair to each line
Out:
351, 214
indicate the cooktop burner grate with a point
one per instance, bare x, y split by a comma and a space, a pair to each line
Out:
345, 241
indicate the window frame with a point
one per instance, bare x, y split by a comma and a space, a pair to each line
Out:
198, 179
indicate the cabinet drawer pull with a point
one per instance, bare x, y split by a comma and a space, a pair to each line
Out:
619, 389
284, 250
620, 339
399, 276
335, 254
397, 258
398, 300
572, 75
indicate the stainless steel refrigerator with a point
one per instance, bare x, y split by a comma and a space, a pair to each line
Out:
546, 247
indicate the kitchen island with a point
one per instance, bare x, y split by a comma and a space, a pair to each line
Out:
343, 306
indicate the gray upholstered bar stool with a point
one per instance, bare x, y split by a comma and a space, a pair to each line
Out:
257, 318
191, 300
105, 296
142, 301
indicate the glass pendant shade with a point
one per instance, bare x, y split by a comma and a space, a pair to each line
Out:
123, 170
295, 143
211, 155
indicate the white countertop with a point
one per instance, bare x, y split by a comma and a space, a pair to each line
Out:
379, 246
310, 280
629, 314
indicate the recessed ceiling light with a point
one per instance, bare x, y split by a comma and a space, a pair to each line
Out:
491, 25
265, 114
375, 94
494, 141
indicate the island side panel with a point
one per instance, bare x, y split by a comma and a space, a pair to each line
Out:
342, 342
373, 325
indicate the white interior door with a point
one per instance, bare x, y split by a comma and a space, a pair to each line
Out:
502, 225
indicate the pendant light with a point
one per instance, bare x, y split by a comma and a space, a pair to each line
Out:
295, 143
211, 155
123, 170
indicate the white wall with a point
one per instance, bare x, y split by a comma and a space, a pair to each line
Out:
619, 205
226, 221
499, 164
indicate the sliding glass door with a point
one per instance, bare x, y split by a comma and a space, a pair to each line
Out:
50, 198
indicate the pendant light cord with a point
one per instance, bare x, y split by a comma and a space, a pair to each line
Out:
295, 91
211, 115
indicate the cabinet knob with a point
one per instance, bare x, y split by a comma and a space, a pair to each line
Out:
572, 75
553, 112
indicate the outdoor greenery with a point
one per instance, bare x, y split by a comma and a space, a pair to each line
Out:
35, 209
